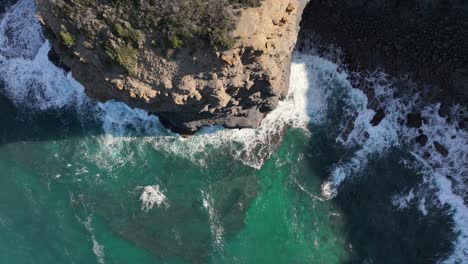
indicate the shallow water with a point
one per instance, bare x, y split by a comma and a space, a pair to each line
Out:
86, 182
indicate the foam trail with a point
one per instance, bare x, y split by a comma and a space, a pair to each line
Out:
402, 201
250, 146
217, 229
446, 175
31, 80
317, 90
98, 249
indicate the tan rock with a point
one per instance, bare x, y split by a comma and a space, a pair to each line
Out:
189, 80
41, 20
179, 99
118, 84
167, 83
227, 59
188, 83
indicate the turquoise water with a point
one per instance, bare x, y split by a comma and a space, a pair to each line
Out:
85, 182
62, 193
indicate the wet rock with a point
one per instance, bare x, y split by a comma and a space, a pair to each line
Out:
373, 105
370, 93
378, 117
421, 139
414, 120
190, 87
441, 149
55, 59
349, 128
462, 124
444, 110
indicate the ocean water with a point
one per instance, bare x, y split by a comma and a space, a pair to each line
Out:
89, 182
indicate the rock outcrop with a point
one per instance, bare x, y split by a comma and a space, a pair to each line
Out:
231, 72
424, 39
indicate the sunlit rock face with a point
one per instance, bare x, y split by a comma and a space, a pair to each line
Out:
192, 63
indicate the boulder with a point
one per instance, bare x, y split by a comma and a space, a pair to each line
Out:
422, 139
441, 149
414, 120
378, 117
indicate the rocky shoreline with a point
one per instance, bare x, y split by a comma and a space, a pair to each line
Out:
423, 42
427, 41
186, 74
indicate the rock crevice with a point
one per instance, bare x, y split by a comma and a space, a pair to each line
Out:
188, 79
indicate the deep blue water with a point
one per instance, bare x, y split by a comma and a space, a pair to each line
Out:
86, 182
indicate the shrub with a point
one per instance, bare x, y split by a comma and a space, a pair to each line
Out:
67, 39
124, 56
128, 34
173, 42
174, 22
119, 29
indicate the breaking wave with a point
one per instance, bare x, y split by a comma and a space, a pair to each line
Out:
440, 157
318, 88
152, 195
32, 81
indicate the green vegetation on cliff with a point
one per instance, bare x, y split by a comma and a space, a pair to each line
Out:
67, 39
161, 24
172, 22
125, 56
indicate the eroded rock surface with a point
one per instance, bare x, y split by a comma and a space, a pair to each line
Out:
188, 79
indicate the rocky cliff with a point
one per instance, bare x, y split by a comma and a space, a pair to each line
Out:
192, 63
424, 39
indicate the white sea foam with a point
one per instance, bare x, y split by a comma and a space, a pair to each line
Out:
20, 34
447, 176
250, 146
152, 195
31, 80
98, 249
403, 200
38, 84
217, 229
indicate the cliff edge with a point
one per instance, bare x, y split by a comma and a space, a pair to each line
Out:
192, 63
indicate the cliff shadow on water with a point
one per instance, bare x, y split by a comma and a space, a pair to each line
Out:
370, 160
5, 4
376, 229
359, 146
18, 125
